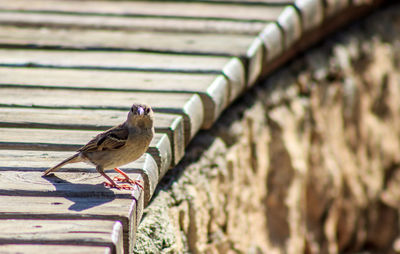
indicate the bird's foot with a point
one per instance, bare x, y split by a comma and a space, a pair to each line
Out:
118, 186
126, 179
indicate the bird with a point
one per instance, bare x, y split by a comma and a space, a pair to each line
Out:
117, 146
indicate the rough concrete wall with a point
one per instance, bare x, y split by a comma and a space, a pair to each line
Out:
307, 162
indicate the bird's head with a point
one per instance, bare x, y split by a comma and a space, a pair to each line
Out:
141, 115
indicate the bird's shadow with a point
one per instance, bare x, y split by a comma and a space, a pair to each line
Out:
83, 196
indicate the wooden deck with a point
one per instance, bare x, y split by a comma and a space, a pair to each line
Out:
69, 69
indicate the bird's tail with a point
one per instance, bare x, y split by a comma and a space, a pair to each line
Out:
73, 159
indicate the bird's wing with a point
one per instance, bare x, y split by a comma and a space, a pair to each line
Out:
111, 139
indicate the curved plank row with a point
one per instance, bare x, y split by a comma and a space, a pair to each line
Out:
69, 71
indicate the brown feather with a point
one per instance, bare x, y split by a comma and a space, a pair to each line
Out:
73, 159
111, 139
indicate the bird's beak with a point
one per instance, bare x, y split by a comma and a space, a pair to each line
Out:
141, 111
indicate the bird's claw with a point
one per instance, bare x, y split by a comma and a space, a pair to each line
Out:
110, 185
126, 187
128, 180
122, 179
119, 187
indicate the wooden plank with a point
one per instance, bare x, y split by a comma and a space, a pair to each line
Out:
52, 248
31, 207
17, 163
153, 41
212, 88
138, 23
160, 149
272, 37
46, 139
236, 72
175, 132
71, 140
148, 8
170, 124
22, 176
189, 106
290, 21
219, 90
88, 77
255, 54
312, 13
187, 43
73, 232
113, 60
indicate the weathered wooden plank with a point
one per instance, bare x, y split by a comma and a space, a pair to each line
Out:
219, 89
167, 42
149, 173
99, 79
255, 54
16, 163
236, 72
71, 140
312, 13
23, 168
189, 106
31, 207
176, 137
272, 37
160, 149
138, 23
148, 8
53, 248
215, 101
290, 22
47, 139
113, 60
73, 232
214, 44
213, 89
170, 124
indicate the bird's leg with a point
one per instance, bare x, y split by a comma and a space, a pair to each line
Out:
126, 178
111, 183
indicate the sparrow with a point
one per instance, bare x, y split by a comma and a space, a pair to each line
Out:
117, 146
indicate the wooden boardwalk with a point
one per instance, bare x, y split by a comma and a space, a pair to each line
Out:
69, 69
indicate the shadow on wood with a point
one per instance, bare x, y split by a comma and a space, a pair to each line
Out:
79, 204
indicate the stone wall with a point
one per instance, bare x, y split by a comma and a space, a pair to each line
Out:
306, 162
